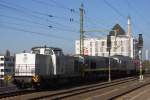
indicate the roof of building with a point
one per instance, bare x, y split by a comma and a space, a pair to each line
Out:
38, 47
119, 30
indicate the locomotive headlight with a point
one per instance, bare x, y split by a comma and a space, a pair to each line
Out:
35, 78
7, 77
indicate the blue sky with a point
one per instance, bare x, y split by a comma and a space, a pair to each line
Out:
24, 23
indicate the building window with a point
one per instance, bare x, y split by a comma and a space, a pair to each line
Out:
13, 59
114, 49
103, 43
2, 64
7, 59
10, 64
101, 49
7, 70
122, 49
90, 44
96, 47
91, 51
2, 59
2, 70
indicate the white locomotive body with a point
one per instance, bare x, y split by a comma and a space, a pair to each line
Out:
25, 64
44, 63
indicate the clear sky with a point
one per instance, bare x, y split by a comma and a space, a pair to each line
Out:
24, 23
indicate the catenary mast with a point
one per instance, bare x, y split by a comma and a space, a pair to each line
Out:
81, 31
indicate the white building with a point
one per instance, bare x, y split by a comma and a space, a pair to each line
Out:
6, 65
122, 43
98, 46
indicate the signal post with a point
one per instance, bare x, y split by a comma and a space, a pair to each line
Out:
140, 46
108, 49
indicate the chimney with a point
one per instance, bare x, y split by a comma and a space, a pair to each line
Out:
129, 36
129, 27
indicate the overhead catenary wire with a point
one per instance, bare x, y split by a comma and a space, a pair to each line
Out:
40, 13
27, 25
136, 26
22, 19
64, 7
59, 5
64, 18
137, 12
75, 11
120, 14
43, 26
139, 15
32, 15
115, 9
35, 33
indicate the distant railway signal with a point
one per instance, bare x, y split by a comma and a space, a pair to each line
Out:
140, 46
140, 41
108, 42
108, 49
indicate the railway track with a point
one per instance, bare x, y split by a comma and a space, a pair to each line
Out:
85, 89
16, 93
34, 95
62, 94
7, 89
129, 90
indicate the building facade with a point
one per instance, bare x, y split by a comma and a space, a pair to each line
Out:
98, 46
6, 66
122, 43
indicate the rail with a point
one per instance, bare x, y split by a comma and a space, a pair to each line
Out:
61, 94
84, 89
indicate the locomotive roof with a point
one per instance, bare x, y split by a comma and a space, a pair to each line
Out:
54, 48
95, 57
122, 57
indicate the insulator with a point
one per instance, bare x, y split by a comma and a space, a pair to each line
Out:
50, 15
